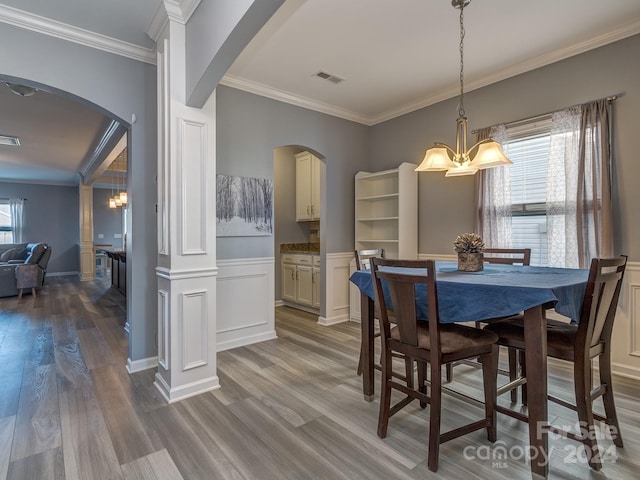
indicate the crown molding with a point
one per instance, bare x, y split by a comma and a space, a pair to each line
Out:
282, 96
176, 10
53, 28
180, 10
517, 69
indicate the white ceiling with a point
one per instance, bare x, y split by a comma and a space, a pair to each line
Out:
395, 56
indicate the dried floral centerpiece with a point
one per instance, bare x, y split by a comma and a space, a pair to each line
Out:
470, 257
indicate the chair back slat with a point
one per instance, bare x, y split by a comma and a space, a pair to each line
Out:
397, 291
600, 302
363, 257
508, 256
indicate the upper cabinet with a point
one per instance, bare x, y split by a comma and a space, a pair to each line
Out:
386, 211
307, 187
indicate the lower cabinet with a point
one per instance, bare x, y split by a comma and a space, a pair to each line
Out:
301, 279
315, 280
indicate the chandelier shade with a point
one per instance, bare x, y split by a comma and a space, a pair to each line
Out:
486, 153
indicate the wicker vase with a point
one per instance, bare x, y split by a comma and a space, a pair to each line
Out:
470, 262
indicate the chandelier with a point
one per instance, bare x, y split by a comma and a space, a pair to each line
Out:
120, 199
463, 161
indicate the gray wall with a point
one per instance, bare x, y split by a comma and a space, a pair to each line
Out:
50, 216
250, 127
446, 206
216, 34
106, 221
122, 87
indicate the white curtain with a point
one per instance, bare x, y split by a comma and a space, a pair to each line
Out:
562, 188
17, 218
494, 197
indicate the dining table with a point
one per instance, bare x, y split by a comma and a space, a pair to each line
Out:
494, 292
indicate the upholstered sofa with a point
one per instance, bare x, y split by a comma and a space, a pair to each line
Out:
15, 254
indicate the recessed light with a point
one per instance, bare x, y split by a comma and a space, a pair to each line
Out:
6, 140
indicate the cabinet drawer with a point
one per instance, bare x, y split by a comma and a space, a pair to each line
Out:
296, 258
316, 260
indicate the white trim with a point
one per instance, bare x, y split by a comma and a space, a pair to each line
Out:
324, 321
282, 96
63, 31
247, 340
63, 274
370, 120
438, 257
134, 366
169, 274
185, 391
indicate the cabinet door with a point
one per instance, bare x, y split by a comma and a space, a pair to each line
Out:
304, 285
315, 188
289, 282
303, 187
315, 278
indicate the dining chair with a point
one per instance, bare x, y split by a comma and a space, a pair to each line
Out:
580, 344
363, 257
427, 342
363, 262
502, 256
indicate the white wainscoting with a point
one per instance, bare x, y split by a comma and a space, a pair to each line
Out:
625, 351
245, 305
337, 288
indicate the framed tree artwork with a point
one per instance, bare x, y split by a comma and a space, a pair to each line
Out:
244, 206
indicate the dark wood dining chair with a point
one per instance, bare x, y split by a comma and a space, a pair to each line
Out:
502, 256
363, 262
580, 344
427, 342
508, 256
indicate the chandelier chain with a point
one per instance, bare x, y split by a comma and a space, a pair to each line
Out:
461, 111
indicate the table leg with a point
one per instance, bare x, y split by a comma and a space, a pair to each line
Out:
366, 345
535, 337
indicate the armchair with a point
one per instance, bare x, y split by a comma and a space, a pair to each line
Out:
21, 254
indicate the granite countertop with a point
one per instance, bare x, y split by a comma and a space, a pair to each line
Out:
300, 247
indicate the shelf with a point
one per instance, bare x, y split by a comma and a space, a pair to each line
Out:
376, 219
372, 198
377, 240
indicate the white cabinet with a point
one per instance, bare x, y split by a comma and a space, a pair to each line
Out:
315, 279
301, 279
307, 187
386, 211
288, 282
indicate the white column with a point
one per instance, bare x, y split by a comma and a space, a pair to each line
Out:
87, 255
186, 230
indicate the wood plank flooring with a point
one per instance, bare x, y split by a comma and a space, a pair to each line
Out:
290, 408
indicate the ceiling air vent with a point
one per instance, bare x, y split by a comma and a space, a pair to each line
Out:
6, 140
328, 77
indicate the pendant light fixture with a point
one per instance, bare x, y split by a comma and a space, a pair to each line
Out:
462, 161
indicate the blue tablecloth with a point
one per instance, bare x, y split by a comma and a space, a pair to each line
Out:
497, 291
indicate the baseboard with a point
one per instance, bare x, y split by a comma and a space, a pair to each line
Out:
134, 366
333, 320
625, 371
278, 303
244, 341
185, 391
62, 274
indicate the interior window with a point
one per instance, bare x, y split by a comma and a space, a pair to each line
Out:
6, 230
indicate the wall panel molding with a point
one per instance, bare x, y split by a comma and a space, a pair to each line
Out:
192, 141
195, 326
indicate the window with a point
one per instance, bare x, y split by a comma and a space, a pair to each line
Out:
6, 229
557, 196
530, 155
